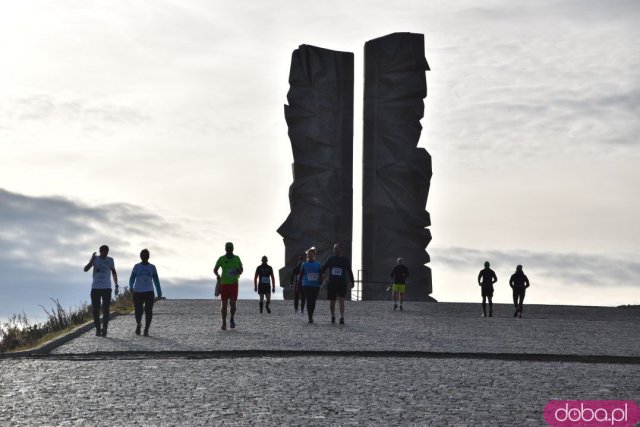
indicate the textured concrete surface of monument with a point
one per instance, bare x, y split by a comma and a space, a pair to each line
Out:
320, 121
396, 174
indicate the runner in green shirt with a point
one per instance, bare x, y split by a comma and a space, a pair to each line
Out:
231, 270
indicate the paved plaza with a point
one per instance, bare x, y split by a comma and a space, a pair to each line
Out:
431, 364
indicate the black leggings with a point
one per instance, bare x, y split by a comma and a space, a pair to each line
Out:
96, 296
298, 295
518, 299
310, 294
145, 299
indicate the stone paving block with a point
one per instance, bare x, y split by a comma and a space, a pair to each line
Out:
194, 325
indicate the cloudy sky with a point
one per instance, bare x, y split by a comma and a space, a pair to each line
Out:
160, 124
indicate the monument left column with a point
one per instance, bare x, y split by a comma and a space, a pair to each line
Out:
320, 121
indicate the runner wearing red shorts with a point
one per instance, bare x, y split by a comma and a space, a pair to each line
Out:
231, 270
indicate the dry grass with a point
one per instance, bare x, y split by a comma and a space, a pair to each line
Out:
19, 334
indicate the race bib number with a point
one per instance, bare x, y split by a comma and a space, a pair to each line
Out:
232, 272
312, 277
336, 271
264, 280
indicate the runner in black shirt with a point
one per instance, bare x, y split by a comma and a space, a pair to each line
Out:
486, 278
519, 282
339, 275
264, 274
295, 284
399, 276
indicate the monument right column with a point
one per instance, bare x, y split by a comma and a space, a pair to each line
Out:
396, 174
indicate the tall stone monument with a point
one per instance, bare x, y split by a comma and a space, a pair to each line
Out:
396, 174
320, 121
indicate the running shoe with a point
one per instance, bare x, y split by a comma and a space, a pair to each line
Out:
138, 329
146, 333
268, 309
342, 320
104, 332
232, 323
333, 319
224, 327
395, 307
401, 309
515, 314
98, 333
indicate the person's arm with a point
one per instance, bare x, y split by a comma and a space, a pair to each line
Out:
300, 275
90, 264
240, 269
132, 280
494, 277
215, 269
273, 280
255, 281
156, 282
526, 281
353, 281
115, 275
511, 284
479, 277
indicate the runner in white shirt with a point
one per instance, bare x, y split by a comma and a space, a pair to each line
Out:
103, 269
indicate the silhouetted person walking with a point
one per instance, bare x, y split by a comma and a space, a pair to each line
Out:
143, 278
103, 269
264, 283
297, 289
399, 276
519, 283
310, 278
231, 270
339, 275
486, 278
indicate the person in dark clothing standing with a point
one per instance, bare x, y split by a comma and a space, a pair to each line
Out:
486, 278
399, 276
297, 290
339, 275
519, 283
264, 283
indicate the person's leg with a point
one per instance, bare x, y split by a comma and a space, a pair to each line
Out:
223, 311
341, 303
95, 306
232, 303
332, 308
521, 302
296, 297
148, 312
303, 299
106, 307
484, 305
490, 305
395, 298
401, 298
515, 302
261, 302
137, 305
268, 297
311, 301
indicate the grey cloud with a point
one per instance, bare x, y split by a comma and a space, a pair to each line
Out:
570, 268
88, 114
45, 242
